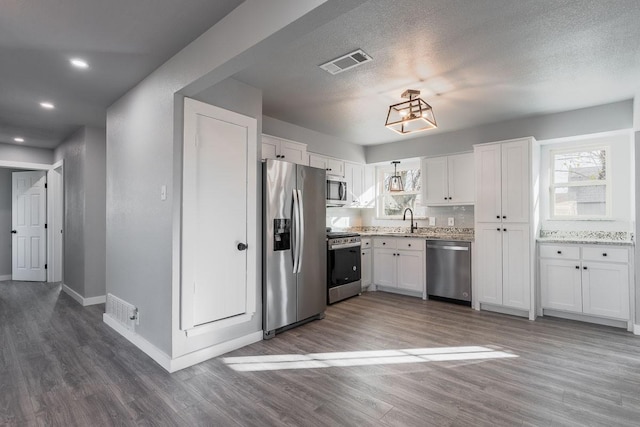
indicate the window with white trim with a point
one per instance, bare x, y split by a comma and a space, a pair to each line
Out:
580, 186
391, 204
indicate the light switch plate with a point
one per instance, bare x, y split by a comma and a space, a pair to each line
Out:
432, 220
450, 222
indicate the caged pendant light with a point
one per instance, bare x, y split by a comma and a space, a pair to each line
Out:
410, 116
395, 182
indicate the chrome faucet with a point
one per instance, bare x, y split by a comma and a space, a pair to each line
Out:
404, 217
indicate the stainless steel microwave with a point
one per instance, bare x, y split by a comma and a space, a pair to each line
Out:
336, 192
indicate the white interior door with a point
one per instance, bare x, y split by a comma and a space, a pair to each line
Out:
218, 278
28, 219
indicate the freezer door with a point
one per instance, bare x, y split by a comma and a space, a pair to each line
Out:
279, 280
312, 276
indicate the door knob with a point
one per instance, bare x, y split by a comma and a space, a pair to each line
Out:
14, 231
242, 247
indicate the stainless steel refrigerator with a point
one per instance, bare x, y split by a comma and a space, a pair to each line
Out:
294, 245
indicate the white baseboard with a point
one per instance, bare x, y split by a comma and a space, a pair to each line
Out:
181, 362
636, 329
198, 356
5, 277
149, 349
82, 300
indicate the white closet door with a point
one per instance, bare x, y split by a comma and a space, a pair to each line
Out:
29, 201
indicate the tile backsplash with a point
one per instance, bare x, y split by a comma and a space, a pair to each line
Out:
342, 218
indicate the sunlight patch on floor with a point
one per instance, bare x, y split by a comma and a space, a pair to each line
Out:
363, 358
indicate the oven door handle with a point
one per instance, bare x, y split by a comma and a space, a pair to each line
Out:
344, 246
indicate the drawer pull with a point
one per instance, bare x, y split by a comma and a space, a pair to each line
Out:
384, 243
410, 246
584, 268
559, 252
577, 267
604, 254
498, 216
498, 229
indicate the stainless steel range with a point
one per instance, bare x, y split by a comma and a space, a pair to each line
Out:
343, 266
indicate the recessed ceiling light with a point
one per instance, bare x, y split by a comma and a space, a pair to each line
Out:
47, 105
79, 63
18, 139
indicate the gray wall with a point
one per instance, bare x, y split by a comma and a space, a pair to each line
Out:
5, 221
95, 199
316, 142
84, 210
72, 151
618, 115
637, 223
18, 153
144, 147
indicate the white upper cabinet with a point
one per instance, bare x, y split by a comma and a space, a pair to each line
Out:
334, 167
290, 151
502, 182
354, 175
360, 185
449, 180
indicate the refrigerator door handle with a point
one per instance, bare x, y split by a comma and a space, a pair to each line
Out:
300, 230
295, 225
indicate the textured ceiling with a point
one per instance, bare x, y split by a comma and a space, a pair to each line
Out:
123, 40
475, 61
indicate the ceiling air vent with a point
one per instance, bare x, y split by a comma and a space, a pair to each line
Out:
346, 62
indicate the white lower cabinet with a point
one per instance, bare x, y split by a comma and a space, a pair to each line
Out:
399, 264
502, 265
366, 263
585, 279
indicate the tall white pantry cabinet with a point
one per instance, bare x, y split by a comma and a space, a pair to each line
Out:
504, 258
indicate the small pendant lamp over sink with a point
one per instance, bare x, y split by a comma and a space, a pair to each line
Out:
395, 182
410, 116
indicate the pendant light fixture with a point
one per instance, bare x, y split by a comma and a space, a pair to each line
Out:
410, 116
395, 182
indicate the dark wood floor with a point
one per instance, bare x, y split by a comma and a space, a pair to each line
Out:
61, 366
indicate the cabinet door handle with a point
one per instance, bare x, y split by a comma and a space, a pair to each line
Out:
604, 254
282, 156
498, 229
584, 268
559, 252
504, 217
498, 216
577, 267
410, 246
14, 231
363, 253
504, 229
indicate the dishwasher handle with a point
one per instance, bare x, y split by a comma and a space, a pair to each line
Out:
448, 248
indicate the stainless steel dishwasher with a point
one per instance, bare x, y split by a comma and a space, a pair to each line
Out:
449, 270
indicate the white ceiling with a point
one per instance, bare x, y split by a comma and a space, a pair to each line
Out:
475, 61
123, 41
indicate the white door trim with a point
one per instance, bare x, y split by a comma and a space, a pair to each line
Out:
9, 164
55, 221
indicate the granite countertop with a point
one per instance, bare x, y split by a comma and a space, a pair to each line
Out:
427, 233
620, 238
578, 241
